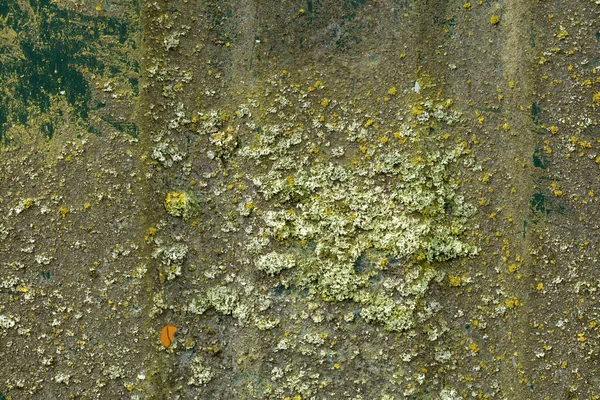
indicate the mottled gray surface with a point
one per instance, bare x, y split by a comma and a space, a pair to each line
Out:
329, 199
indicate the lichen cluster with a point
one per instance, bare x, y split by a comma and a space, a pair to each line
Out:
336, 191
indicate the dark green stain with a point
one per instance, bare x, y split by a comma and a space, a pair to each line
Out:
537, 204
524, 231
535, 112
354, 3
126, 127
540, 160
58, 46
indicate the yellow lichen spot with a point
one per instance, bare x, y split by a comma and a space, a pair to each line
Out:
591, 193
22, 289
152, 231
384, 140
540, 286
27, 203
512, 303
494, 20
369, 123
63, 211
493, 215
596, 98
581, 337
325, 102
506, 127
301, 11
512, 268
553, 130
563, 364
474, 347
393, 91
467, 6
402, 55
176, 203
558, 193
562, 34
416, 111
454, 280
337, 366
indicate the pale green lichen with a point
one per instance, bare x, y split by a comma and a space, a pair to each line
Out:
201, 373
394, 203
172, 258
222, 298
273, 263
7, 321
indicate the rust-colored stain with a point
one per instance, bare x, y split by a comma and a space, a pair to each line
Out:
167, 334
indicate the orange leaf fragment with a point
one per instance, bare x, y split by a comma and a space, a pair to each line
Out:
167, 334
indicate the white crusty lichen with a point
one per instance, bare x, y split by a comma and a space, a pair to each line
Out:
172, 259
8, 321
273, 262
222, 298
201, 374
449, 394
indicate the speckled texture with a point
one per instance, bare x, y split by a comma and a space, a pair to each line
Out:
329, 199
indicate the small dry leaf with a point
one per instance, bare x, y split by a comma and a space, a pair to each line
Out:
167, 334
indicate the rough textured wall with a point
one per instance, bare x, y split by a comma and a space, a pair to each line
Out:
343, 199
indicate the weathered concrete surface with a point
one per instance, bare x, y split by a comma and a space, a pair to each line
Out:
329, 199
